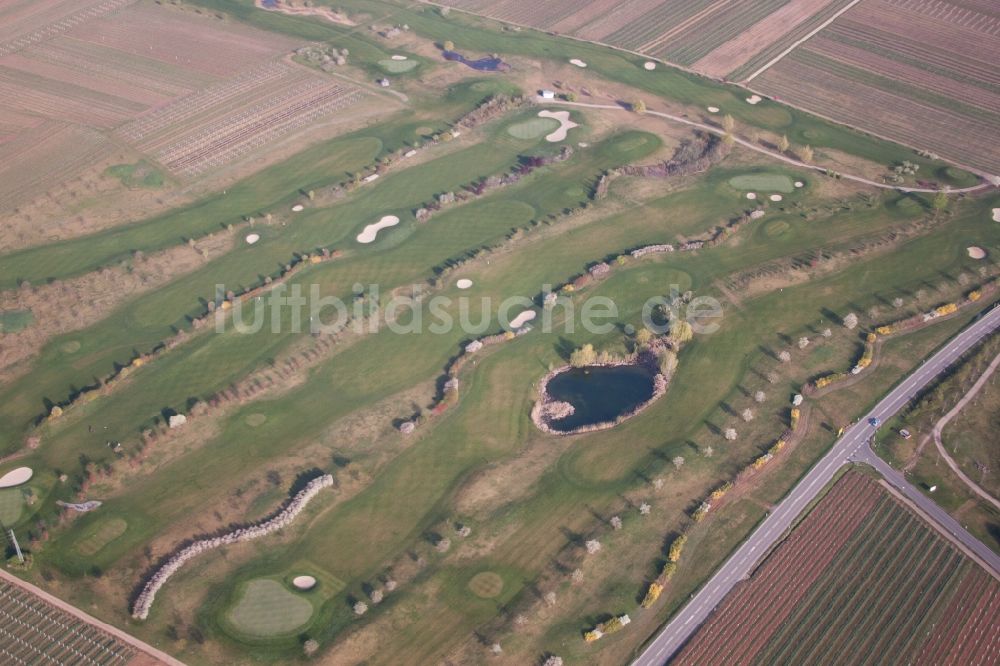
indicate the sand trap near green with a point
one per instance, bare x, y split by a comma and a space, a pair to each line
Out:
397, 66
768, 182
267, 608
532, 129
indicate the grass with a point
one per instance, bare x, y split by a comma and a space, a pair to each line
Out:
765, 182
266, 608
532, 129
140, 174
11, 506
397, 66
12, 321
100, 535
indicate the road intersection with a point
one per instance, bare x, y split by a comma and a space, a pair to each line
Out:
852, 446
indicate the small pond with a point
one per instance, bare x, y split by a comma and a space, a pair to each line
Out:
600, 393
486, 64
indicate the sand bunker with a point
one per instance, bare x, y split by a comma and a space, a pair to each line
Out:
304, 582
369, 233
577, 62
751, 195
583, 144
16, 477
565, 124
464, 283
297, 207
399, 57
712, 109
799, 183
753, 99
974, 252
649, 65
996, 214
252, 238
775, 197
522, 319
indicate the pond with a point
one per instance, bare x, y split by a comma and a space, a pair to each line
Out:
487, 64
599, 394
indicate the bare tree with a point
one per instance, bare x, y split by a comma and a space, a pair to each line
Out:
730, 434
310, 647
759, 396
783, 143
593, 546
616, 522
496, 649
678, 462
747, 415
658, 482
851, 321
550, 598
708, 452
360, 608
376, 596
784, 357
773, 377
897, 302
576, 576
443, 545
644, 509
827, 333
803, 342
553, 660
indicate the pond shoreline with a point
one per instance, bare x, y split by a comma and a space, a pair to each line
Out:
541, 411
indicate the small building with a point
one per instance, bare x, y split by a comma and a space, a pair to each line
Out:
547, 94
384, 83
905, 434
369, 178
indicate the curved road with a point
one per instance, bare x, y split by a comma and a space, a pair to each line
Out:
764, 151
852, 446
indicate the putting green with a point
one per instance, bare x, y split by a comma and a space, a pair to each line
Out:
266, 608
486, 585
104, 533
71, 347
397, 66
765, 182
532, 129
255, 420
11, 504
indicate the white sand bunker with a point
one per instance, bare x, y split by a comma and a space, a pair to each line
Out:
583, 144
996, 214
577, 62
15, 477
751, 195
464, 283
369, 233
754, 99
776, 197
799, 183
649, 65
399, 57
974, 252
297, 207
304, 582
712, 109
522, 319
565, 124
252, 238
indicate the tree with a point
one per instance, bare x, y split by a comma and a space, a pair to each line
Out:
585, 355
728, 123
310, 647
667, 362
377, 596
678, 462
747, 415
593, 546
658, 482
443, 545
772, 377
553, 660
806, 154
644, 509
730, 434
643, 336
783, 143
708, 452
784, 357
570, 96
550, 598
803, 342
577, 576
638, 106
449, 45
680, 331
851, 321
311, 194
759, 396
940, 201
728, 139
360, 608
827, 333
496, 649
616, 522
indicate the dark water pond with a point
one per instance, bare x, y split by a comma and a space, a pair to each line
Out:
600, 394
483, 64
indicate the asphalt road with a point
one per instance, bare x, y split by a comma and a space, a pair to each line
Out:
853, 445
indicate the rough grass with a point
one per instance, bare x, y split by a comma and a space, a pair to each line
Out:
103, 533
266, 608
11, 506
13, 321
763, 182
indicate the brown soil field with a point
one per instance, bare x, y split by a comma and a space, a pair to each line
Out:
860, 576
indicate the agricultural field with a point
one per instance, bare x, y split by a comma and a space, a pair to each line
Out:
929, 66
859, 578
176, 409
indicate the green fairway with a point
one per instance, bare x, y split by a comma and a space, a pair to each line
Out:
397, 66
100, 535
532, 129
763, 182
266, 608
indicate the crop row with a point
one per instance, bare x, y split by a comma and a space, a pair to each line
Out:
60, 26
758, 608
703, 38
